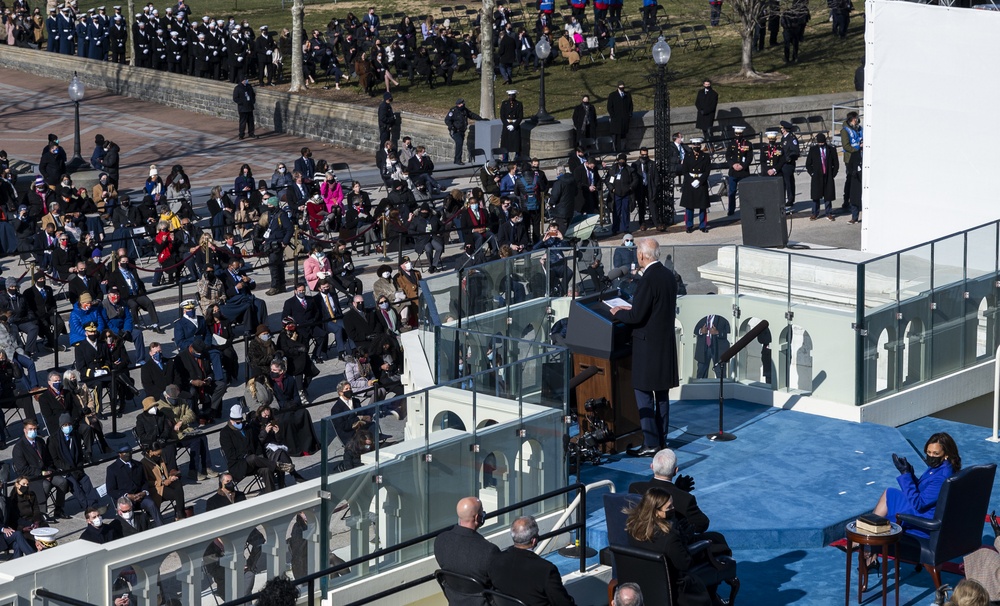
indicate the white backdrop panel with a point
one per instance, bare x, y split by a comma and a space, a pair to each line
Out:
932, 138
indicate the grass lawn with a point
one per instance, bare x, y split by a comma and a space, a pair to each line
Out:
826, 64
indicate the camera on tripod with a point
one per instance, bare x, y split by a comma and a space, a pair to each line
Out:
587, 446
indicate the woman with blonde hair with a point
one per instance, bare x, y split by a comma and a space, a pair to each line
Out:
969, 593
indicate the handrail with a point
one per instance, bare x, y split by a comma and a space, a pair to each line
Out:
41, 592
311, 579
540, 547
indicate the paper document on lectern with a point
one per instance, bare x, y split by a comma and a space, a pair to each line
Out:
617, 302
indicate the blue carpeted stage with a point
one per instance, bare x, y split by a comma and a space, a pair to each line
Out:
785, 488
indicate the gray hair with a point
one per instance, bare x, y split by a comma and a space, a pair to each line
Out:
524, 530
71, 375
54, 373
342, 385
172, 391
664, 463
649, 247
628, 594
124, 501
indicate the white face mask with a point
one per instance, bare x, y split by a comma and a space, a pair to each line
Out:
281, 170
265, 337
386, 274
96, 522
127, 516
152, 410
383, 305
407, 266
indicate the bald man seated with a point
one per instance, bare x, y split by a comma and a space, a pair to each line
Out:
461, 549
521, 573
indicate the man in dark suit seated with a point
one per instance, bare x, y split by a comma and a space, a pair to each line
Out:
359, 324
521, 573
20, 320
664, 468
462, 550
237, 448
158, 372
41, 302
55, 402
206, 393
82, 283
133, 291
126, 478
31, 458
303, 310
226, 495
330, 321
129, 521
239, 298
67, 451
97, 530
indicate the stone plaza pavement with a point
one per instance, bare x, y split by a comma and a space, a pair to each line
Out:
33, 106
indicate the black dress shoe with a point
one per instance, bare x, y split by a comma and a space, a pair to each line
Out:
642, 451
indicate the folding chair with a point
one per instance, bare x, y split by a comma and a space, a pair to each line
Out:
701, 33
686, 35
589, 145
499, 153
253, 481
340, 166
605, 145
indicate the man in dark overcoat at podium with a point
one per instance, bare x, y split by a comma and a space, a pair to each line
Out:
654, 349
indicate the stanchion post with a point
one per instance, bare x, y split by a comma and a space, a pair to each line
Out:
55, 338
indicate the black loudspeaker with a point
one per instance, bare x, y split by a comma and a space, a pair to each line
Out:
762, 212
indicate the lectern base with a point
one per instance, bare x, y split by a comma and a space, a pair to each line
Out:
721, 436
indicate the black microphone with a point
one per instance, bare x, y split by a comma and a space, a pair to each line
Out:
617, 272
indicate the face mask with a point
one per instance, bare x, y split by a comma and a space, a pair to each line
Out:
386, 274
127, 516
474, 207
275, 375
67, 429
407, 266
300, 295
489, 356
57, 385
630, 243
32, 434
157, 357
22, 489
281, 170
318, 256
238, 425
383, 305
96, 522
126, 457
152, 410
265, 337
348, 394
934, 461
230, 486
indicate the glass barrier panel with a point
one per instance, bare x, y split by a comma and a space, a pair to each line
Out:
981, 249
948, 306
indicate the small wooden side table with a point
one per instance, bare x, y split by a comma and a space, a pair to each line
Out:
854, 536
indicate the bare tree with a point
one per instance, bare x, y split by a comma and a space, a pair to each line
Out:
130, 7
298, 9
486, 101
748, 13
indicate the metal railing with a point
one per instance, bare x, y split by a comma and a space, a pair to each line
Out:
310, 579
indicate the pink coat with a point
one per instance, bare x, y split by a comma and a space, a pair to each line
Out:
313, 267
333, 196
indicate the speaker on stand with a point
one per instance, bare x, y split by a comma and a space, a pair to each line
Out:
762, 213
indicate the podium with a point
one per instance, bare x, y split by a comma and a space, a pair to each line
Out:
597, 340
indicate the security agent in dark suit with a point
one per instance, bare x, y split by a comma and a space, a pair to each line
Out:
712, 340
126, 478
521, 573
31, 458
654, 350
158, 372
461, 549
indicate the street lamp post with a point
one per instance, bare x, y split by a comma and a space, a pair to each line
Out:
661, 135
542, 50
76, 95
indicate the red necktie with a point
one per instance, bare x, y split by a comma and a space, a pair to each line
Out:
822, 154
708, 330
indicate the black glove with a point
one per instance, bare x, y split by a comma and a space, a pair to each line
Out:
995, 523
685, 483
902, 464
941, 594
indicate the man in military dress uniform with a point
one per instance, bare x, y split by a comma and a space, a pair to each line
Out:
772, 157
739, 157
790, 149
511, 115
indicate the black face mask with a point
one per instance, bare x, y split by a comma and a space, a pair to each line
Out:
933, 461
348, 394
22, 489
230, 486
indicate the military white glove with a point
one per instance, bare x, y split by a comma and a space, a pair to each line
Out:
510, 127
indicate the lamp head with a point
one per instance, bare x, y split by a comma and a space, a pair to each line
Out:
75, 89
661, 52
